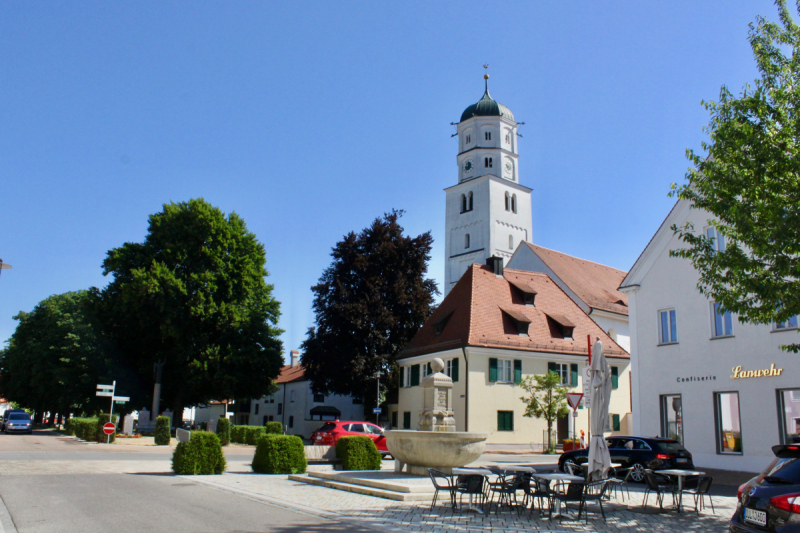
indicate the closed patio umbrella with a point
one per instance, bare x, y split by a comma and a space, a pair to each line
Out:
599, 459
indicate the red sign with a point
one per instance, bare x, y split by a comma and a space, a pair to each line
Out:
574, 399
109, 428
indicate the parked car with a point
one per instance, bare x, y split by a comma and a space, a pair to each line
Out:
19, 422
638, 454
770, 502
6, 415
331, 432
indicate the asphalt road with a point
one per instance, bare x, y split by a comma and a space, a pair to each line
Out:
54, 500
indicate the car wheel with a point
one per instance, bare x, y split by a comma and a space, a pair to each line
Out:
565, 469
637, 472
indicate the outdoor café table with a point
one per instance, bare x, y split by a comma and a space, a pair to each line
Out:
680, 474
584, 466
560, 477
483, 472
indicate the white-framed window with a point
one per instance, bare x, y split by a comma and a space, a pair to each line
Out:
789, 324
448, 368
423, 371
505, 371
721, 323
717, 238
667, 326
562, 369
466, 240
407, 377
729, 424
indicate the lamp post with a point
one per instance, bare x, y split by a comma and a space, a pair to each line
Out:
378, 375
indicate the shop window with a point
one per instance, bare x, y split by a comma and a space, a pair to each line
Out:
717, 239
722, 321
729, 424
406, 420
789, 412
668, 326
505, 420
672, 417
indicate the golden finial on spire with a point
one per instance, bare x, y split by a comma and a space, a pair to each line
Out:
486, 76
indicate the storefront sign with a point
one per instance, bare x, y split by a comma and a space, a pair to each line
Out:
738, 373
696, 378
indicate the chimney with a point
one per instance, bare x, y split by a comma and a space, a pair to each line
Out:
496, 264
295, 358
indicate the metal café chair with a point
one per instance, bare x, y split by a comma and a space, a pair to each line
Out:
702, 489
538, 489
471, 484
661, 485
441, 481
506, 488
593, 492
566, 492
617, 484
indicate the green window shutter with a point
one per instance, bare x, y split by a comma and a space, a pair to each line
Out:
517, 370
573, 374
430, 371
454, 369
614, 377
505, 420
492, 370
615, 422
407, 420
414, 376
551, 367
402, 376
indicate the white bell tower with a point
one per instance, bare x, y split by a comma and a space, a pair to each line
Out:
488, 212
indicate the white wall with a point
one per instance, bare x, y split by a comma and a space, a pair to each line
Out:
698, 365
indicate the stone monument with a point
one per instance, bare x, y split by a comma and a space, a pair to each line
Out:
437, 389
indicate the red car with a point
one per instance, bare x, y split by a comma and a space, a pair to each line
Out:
332, 431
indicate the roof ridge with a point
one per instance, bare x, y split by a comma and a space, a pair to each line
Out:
530, 244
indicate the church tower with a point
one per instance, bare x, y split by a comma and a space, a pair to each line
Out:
488, 212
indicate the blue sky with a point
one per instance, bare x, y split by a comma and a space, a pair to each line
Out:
310, 119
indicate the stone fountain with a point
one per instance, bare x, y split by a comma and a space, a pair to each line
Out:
436, 444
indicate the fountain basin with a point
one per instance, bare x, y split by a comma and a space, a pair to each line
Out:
443, 450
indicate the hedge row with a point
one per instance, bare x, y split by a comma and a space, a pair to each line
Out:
251, 434
162, 430
89, 428
202, 455
224, 431
279, 454
358, 453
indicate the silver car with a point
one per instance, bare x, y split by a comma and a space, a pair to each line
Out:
19, 423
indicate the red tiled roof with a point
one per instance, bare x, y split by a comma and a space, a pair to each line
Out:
476, 306
593, 283
291, 373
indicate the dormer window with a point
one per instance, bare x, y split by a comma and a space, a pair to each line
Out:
488, 135
518, 319
438, 327
526, 290
487, 162
560, 326
528, 298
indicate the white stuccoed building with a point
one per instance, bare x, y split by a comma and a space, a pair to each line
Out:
725, 389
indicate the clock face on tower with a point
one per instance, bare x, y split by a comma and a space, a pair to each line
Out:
508, 167
468, 166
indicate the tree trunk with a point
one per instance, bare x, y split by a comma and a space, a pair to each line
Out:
549, 433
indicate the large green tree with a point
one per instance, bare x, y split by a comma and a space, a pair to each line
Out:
55, 357
748, 177
193, 297
368, 303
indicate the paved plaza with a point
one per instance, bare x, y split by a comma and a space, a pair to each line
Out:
387, 515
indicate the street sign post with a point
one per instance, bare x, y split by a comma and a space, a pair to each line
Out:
574, 399
108, 429
108, 391
376, 410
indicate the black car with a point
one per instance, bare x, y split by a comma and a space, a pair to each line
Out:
638, 454
771, 501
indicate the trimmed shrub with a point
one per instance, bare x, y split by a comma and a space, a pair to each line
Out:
274, 428
224, 431
358, 453
102, 420
252, 434
84, 428
162, 433
237, 434
279, 454
202, 455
